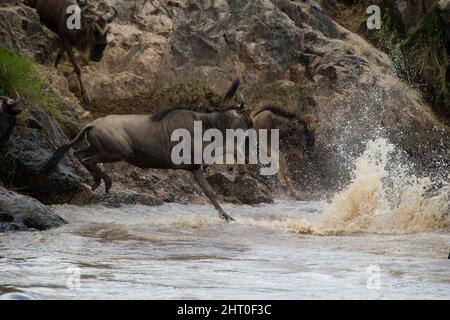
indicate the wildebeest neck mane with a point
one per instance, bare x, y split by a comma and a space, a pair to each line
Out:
195, 108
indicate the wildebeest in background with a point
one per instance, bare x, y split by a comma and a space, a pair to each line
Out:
8, 114
90, 39
271, 117
145, 141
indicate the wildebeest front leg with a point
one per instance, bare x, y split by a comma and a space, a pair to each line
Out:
77, 70
209, 192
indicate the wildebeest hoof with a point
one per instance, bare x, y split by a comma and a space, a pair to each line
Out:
227, 218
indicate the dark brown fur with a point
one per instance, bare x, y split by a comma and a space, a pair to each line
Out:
90, 40
145, 141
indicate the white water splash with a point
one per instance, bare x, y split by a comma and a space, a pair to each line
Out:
382, 200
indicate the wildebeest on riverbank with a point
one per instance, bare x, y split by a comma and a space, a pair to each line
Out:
8, 114
269, 118
145, 141
89, 38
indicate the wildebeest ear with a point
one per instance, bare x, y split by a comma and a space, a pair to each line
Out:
230, 93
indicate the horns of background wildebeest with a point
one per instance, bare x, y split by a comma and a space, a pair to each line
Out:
110, 16
230, 93
10, 104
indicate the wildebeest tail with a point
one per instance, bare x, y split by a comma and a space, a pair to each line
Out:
61, 151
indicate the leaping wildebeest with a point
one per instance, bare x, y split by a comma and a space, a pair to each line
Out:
271, 117
145, 141
90, 39
8, 114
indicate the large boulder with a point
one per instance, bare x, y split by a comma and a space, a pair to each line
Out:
21, 213
21, 30
30, 147
241, 189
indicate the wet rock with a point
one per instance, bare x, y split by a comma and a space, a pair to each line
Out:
119, 199
21, 213
29, 149
244, 188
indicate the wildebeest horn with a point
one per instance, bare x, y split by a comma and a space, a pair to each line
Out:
92, 17
111, 15
10, 104
230, 93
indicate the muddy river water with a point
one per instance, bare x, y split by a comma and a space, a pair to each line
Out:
359, 245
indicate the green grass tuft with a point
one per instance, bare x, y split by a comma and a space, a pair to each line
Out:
19, 74
279, 93
420, 56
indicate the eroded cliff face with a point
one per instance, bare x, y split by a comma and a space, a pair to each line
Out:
158, 44
155, 45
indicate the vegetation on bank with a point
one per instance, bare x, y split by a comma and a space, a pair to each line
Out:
191, 92
420, 56
284, 93
19, 74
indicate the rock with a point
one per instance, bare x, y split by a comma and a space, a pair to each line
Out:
443, 8
245, 189
29, 149
21, 213
118, 199
21, 30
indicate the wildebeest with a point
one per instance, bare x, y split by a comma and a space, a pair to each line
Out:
8, 114
145, 141
270, 117
90, 39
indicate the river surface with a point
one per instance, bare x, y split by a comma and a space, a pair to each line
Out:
376, 239
186, 252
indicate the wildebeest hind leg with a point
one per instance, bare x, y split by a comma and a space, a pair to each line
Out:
81, 155
93, 162
208, 190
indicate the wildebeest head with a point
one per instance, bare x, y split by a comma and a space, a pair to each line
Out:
96, 28
8, 105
